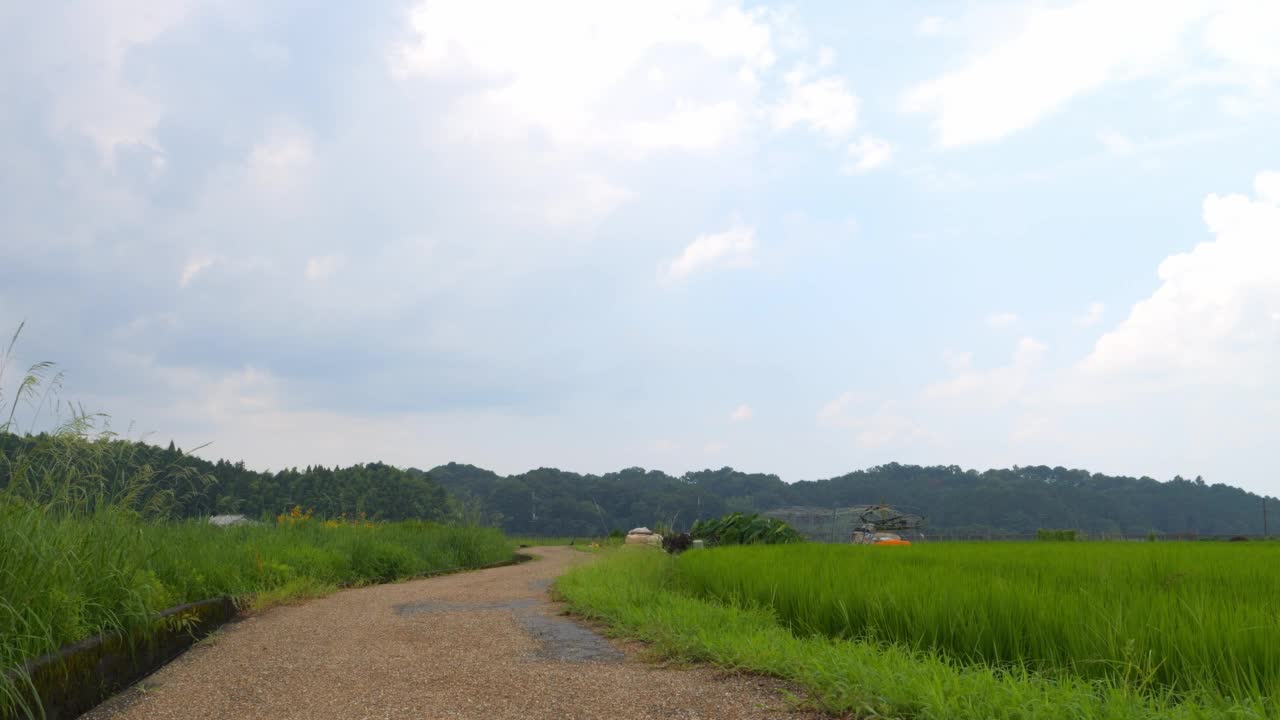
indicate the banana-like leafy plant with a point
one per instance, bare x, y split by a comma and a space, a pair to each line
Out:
738, 529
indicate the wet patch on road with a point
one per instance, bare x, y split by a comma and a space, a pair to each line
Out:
566, 641
558, 638
424, 607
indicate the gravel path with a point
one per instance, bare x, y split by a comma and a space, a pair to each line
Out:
486, 644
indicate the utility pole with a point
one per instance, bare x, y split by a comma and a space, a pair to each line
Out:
1264, 516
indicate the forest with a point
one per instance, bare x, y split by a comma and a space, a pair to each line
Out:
1015, 501
179, 484
548, 501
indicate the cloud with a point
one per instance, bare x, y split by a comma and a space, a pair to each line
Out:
1185, 383
194, 267
930, 26
742, 413
824, 104
957, 361
1032, 73
994, 386
563, 69
732, 248
1115, 142
665, 445
1213, 318
873, 428
1001, 320
282, 160
867, 153
96, 101
322, 267
1092, 316
1244, 33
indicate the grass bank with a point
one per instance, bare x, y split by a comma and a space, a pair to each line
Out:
646, 595
66, 577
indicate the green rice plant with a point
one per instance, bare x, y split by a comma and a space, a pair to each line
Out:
644, 596
1186, 618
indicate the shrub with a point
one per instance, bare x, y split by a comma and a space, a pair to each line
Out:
676, 543
739, 529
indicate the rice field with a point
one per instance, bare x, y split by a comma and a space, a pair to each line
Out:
966, 631
1191, 617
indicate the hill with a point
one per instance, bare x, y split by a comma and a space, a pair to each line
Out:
1018, 500
549, 501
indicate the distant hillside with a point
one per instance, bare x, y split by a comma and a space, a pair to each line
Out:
556, 502
1014, 501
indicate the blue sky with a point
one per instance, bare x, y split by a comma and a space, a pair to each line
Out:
799, 239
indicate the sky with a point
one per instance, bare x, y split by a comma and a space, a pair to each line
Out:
799, 239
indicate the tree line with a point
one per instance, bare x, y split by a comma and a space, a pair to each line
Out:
179, 484
548, 501
1014, 501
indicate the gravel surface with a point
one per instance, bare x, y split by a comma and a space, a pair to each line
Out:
486, 644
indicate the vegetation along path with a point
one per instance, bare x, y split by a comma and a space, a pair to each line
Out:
486, 644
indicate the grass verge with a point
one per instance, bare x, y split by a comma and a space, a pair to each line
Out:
67, 577
635, 592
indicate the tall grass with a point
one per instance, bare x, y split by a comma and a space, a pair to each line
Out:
83, 552
1191, 618
64, 578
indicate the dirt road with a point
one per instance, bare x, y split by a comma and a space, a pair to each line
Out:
487, 644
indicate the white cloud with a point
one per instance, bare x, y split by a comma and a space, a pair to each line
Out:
995, 386
1037, 70
1212, 318
280, 162
1092, 316
873, 428
835, 410
587, 199
94, 39
1267, 186
1115, 142
741, 413
957, 361
825, 104
322, 267
194, 267
1244, 32
732, 248
1001, 320
1186, 383
715, 447
564, 68
931, 25
867, 153
688, 127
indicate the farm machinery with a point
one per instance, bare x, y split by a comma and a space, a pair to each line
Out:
860, 524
